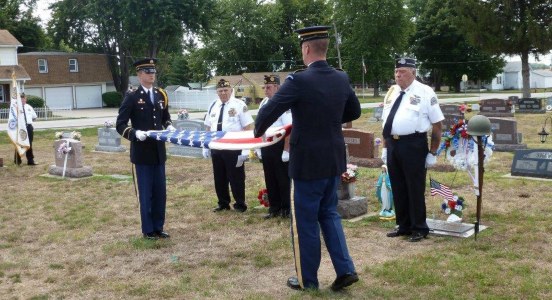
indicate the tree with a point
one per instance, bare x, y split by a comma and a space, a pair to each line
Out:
440, 47
16, 16
374, 30
128, 29
513, 27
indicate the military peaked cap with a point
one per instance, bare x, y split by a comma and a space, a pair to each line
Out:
223, 83
274, 79
313, 33
147, 65
405, 62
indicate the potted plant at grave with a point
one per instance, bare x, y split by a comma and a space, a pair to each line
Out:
346, 189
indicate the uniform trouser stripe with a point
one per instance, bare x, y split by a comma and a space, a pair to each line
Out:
295, 239
135, 180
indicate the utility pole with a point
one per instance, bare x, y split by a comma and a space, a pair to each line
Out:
337, 42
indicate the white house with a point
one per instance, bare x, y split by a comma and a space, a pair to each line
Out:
511, 78
9, 64
541, 79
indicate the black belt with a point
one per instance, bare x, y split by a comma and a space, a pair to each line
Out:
408, 136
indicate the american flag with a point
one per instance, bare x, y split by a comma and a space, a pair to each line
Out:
441, 189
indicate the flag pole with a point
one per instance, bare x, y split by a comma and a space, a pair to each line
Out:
480, 170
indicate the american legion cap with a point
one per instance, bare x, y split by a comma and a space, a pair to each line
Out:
313, 33
405, 62
272, 78
223, 83
147, 65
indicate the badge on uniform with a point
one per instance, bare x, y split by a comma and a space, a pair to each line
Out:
245, 109
161, 104
415, 100
140, 101
433, 101
232, 112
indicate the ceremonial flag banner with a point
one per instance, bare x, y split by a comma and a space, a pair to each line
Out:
441, 189
221, 140
17, 126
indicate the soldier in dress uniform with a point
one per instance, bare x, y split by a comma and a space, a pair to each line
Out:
410, 110
275, 159
147, 109
228, 114
321, 99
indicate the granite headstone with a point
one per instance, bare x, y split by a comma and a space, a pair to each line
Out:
73, 161
496, 108
530, 105
361, 148
532, 163
505, 135
109, 140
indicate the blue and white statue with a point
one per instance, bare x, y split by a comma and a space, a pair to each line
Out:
385, 195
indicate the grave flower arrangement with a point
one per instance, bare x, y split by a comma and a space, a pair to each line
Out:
64, 148
76, 135
183, 114
263, 197
460, 148
350, 175
58, 135
108, 124
453, 206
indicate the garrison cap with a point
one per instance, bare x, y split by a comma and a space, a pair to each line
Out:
313, 33
223, 83
147, 65
405, 62
272, 78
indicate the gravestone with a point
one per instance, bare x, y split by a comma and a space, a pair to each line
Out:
348, 204
109, 140
179, 150
514, 100
496, 108
451, 109
74, 167
361, 148
532, 163
440, 227
475, 107
531, 106
378, 113
451, 120
505, 135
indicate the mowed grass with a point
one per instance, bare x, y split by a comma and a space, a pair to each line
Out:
80, 239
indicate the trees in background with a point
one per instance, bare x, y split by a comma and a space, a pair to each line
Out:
444, 51
513, 27
16, 16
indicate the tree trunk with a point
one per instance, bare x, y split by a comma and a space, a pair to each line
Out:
376, 89
437, 80
526, 89
457, 88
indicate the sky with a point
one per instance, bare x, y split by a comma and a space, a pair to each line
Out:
44, 14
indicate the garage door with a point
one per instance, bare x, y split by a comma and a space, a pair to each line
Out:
34, 92
59, 97
89, 96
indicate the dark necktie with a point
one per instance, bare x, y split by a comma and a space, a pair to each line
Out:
389, 122
219, 123
150, 96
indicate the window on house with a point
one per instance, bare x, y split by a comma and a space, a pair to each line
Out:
73, 65
2, 94
499, 80
42, 66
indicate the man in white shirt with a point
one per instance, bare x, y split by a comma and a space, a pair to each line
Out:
30, 116
228, 114
410, 110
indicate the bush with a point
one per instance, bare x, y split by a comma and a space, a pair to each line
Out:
112, 99
35, 101
4, 105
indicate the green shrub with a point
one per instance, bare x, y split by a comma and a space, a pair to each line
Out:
35, 101
112, 99
4, 105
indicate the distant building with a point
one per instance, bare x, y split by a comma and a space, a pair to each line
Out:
511, 79
9, 64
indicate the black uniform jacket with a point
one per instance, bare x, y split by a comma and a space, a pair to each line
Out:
144, 115
320, 99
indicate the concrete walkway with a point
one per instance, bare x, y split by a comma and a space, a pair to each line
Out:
93, 117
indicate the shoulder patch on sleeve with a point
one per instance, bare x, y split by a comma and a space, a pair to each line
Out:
297, 71
245, 108
433, 101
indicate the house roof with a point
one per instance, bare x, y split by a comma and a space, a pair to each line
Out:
92, 68
514, 66
7, 39
543, 72
20, 73
171, 88
258, 77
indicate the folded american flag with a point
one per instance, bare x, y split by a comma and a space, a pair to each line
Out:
441, 189
221, 140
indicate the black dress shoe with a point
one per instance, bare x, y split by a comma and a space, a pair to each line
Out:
220, 208
344, 281
417, 236
32, 163
397, 233
272, 214
240, 208
151, 236
293, 283
162, 235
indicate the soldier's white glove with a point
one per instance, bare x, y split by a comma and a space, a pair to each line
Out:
244, 156
431, 160
206, 152
258, 153
384, 155
140, 135
171, 128
285, 156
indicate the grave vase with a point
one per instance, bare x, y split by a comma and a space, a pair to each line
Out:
346, 191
